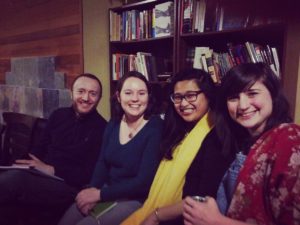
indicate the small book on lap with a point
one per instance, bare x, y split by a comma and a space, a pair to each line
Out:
102, 208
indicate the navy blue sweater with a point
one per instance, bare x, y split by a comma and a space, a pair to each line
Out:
72, 145
127, 170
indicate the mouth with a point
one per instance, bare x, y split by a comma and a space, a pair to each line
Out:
85, 104
246, 115
134, 106
186, 111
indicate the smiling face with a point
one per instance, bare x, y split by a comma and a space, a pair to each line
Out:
85, 95
190, 111
133, 97
251, 108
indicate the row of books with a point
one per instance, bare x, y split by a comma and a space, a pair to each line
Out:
153, 68
218, 15
135, 25
142, 62
217, 64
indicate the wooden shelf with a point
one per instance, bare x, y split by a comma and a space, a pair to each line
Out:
174, 48
277, 27
157, 39
138, 5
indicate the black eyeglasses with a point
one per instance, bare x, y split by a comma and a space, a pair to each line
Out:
190, 96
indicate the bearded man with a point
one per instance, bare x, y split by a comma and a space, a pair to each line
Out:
68, 149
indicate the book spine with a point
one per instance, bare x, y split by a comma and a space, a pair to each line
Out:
202, 11
210, 66
231, 54
276, 61
250, 52
187, 16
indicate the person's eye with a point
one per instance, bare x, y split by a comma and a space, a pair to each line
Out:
127, 92
177, 97
80, 91
94, 94
232, 98
142, 93
252, 93
190, 96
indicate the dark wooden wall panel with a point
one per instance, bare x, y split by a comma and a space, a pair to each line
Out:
40, 28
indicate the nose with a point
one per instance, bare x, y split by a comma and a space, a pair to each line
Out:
243, 102
85, 96
184, 102
135, 97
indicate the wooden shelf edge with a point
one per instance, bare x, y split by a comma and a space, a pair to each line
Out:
246, 29
137, 4
143, 40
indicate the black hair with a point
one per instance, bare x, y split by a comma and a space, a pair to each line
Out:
117, 110
239, 79
91, 76
175, 128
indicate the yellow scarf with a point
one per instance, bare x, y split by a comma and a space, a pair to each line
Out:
167, 185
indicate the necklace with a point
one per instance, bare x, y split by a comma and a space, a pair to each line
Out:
130, 135
133, 130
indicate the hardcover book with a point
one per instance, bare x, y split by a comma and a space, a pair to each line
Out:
102, 208
198, 61
164, 19
211, 15
187, 16
235, 15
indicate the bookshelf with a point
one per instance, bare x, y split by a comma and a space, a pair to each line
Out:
233, 31
265, 23
264, 35
142, 37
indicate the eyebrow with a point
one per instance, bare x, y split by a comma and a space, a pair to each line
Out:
189, 91
253, 89
83, 89
134, 90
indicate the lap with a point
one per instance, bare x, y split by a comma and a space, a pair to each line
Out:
113, 217
24, 187
119, 213
32, 197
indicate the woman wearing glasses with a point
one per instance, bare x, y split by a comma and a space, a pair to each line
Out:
187, 122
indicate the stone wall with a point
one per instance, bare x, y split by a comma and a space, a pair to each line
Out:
33, 87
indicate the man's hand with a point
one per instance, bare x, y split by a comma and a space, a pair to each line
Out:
37, 164
87, 199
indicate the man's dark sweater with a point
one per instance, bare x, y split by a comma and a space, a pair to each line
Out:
71, 144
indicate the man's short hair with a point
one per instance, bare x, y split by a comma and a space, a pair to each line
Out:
91, 76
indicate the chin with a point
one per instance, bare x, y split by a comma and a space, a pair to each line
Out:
83, 112
187, 119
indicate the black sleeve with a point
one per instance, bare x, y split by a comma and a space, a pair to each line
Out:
39, 149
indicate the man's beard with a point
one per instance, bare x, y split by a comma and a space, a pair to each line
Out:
82, 114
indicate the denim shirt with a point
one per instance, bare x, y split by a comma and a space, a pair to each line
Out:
228, 183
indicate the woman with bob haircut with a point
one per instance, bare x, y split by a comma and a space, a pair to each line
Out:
262, 185
128, 160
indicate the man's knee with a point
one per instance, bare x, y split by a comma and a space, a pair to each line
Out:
13, 176
11, 183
